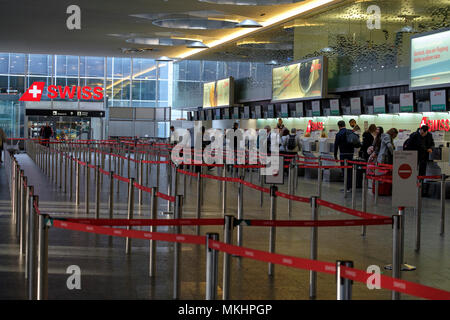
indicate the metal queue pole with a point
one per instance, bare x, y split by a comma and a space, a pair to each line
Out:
199, 201
60, 162
290, 189
154, 210
364, 201
418, 214
177, 248
345, 178
314, 246
443, 185
23, 213
86, 196
273, 230
295, 180
66, 161
377, 186
240, 213
71, 160
344, 285
97, 192
224, 190
42, 280
261, 195
319, 178
29, 211
111, 194
353, 186
211, 267
228, 239
396, 250
20, 204
77, 182
141, 170
32, 253
130, 212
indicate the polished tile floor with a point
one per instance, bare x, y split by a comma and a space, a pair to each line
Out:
108, 273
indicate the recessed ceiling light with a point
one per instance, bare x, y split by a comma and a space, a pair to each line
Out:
252, 2
197, 44
248, 23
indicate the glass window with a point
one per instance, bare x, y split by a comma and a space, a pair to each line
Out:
244, 69
3, 84
193, 70
164, 70
66, 66
17, 83
92, 67
209, 70
144, 69
4, 61
39, 64
121, 67
163, 90
17, 63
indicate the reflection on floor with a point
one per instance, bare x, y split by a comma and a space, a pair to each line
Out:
107, 273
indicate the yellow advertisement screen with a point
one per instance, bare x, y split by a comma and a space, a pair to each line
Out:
297, 81
216, 94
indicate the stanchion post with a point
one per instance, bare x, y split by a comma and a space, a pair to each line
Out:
418, 214
396, 251
345, 178
87, 183
377, 186
199, 196
319, 179
29, 210
261, 194
354, 186
224, 190
130, 212
290, 189
23, 220
154, 210
211, 267
273, 230
141, 169
97, 192
42, 280
228, 239
364, 201
344, 285
313, 254
32, 253
240, 213
443, 177
177, 248
111, 194
77, 182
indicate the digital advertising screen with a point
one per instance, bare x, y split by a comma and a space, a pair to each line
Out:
218, 93
430, 60
302, 80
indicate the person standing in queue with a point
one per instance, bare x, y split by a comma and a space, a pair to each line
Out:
422, 141
280, 124
368, 138
355, 128
345, 149
386, 153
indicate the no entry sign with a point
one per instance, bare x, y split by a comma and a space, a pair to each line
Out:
405, 171
404, 179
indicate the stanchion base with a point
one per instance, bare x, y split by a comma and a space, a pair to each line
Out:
404, 267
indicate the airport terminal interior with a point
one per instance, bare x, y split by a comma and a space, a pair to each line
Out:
137, 136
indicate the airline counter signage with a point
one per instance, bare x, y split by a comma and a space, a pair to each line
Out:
314, 126
379, 104
437, 99
35, 91
436, 125
334, 107
407, 102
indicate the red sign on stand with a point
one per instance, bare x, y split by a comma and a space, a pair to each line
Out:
405, 171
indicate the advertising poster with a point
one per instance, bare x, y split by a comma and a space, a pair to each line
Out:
334, 107
407, 102
298, 81
315, 108
437, 100
379, 104
430, 60
355, 106
217, 93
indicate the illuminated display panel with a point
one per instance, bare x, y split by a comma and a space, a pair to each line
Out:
301, 80
218, 93
430, 60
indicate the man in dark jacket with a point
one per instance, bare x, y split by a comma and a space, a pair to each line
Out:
422, 141
346, 150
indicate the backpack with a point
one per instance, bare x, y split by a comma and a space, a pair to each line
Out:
406, 144
291, 142
353, 139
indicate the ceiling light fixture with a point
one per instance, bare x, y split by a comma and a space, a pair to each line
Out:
281, 18
248, 23
197, 45
164, 58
